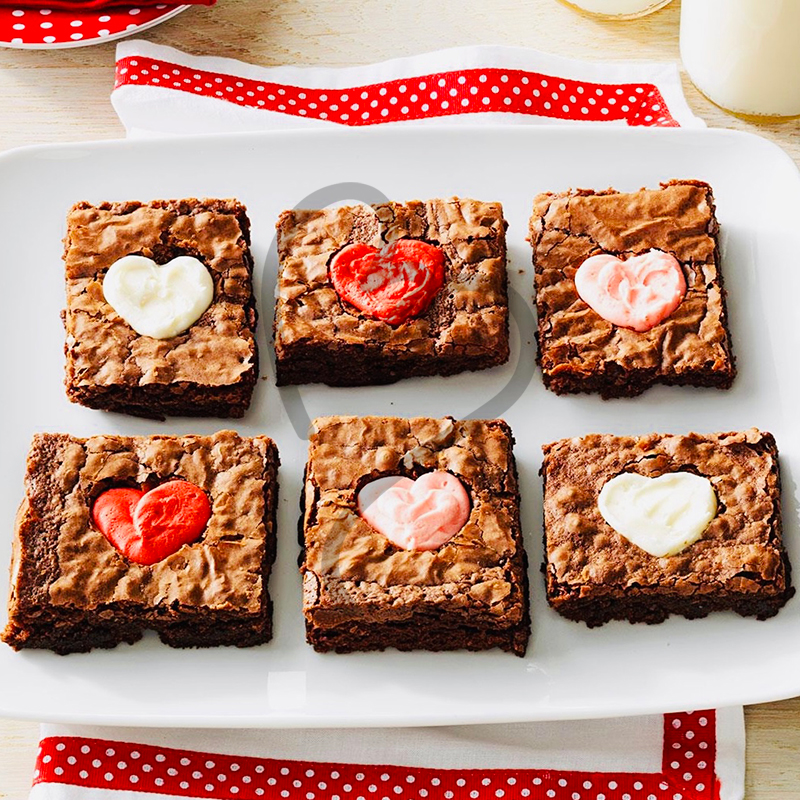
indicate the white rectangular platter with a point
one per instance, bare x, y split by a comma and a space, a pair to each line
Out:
569, 671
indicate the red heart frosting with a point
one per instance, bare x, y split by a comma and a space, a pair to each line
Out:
393, 284
146, 527
637, 293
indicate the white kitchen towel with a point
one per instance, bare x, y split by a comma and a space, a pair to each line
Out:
684, 756
697, 756
160, 90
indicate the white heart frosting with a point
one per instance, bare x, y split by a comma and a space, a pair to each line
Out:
159, 301
661, 515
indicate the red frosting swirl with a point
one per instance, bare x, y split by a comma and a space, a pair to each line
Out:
393, 284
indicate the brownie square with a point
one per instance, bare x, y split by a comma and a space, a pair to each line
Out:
321, 338
594, 574
361, 591
208, 370
580, 351
72, 590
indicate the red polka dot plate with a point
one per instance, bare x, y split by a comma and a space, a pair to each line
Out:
42, 29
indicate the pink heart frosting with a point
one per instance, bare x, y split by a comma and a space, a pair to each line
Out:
637, 293
416, 515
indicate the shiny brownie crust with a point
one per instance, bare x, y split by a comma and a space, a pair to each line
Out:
361, 592
578, 350
210, 369
594, 575
71, 590
321, 338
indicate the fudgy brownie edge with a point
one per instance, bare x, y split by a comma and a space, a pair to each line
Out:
595, 575
361, 592
72, 591
208, 370
579, 351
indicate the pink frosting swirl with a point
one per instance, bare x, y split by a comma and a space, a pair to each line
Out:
637, 293
416, 515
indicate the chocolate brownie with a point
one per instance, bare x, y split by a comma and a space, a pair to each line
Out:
209, 369
581, 351
72, 590
361, 591
320, 337
738, 563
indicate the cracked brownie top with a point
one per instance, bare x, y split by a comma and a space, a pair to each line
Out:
73, 564
740, 550
348, 562
102, 349
468, 315
678, 218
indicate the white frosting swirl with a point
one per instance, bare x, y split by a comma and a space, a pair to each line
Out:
159, 301
661, 515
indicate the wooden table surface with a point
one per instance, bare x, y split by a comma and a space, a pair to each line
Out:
63, 95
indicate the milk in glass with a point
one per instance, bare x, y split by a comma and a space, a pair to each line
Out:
744, 55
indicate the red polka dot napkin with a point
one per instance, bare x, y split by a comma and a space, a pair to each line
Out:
697, 756
162, 90
84, 5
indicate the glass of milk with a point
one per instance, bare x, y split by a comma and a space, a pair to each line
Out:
744, 55
617, 9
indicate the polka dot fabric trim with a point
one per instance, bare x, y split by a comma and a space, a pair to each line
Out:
690, 753
688, 773
42, 27
442, 94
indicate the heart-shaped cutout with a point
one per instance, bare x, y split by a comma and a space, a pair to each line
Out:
159, 301
637, 293
663, 515
393, 284
146, 527
416, 515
